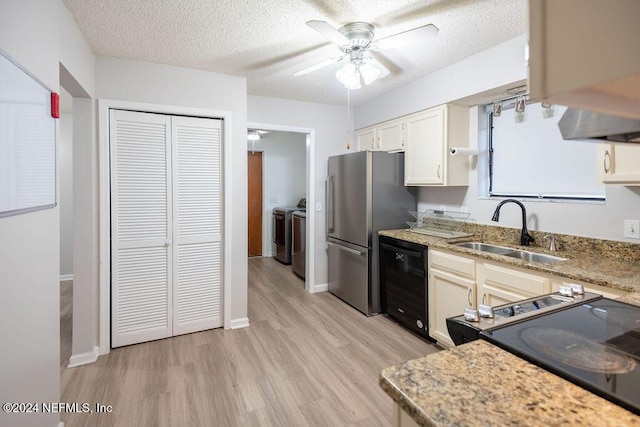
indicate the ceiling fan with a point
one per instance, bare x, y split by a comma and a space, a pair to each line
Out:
256, 134
355, 41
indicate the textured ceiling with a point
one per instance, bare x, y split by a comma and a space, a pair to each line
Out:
266, 41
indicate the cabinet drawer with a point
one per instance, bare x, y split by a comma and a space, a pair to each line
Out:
460, 265
588, 287
515, 279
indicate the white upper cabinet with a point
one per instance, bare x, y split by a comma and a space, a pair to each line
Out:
584, 54
366, 139
387, 136
391, 136
619, 163
429, 135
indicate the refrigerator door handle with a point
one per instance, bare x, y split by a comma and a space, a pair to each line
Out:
329, 204
353, 251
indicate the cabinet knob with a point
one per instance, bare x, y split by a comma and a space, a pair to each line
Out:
485, 311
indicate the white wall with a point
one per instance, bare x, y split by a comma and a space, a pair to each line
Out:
39, 35
495, 67
283, 171
124, 80
332, 137
65, 193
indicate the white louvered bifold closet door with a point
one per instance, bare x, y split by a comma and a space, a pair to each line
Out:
166, 222
141, 209
197, 284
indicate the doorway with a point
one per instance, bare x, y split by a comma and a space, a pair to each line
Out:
254, 183
65, 204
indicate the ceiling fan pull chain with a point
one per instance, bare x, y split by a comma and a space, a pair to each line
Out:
349, 113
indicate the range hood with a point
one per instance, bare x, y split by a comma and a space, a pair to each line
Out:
583, 124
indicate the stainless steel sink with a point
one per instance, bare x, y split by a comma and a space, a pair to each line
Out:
533, 257
510, 252
485, 247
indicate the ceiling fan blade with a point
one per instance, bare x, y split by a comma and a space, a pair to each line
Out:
329, 32
423, 33
317, 66
384, 71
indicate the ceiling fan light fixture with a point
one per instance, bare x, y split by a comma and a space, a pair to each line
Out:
253, 135
349, 76
369, 73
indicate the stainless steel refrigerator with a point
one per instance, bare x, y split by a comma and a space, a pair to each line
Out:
365, 193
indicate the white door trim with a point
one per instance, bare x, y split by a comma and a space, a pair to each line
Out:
309, 282
103, 163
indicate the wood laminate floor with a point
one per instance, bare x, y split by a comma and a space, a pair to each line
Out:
305, 360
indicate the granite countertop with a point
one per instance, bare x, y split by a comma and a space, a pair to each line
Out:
479, 384
601, 262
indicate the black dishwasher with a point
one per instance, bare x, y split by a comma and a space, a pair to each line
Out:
403, 279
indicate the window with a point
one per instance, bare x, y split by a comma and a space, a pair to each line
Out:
529, 158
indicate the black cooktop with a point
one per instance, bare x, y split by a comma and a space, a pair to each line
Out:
595, 345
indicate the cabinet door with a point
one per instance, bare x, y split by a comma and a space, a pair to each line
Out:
619, 163
449, 295
366, 139
390, 136
502, 284
492, 295
583, 53
424, 148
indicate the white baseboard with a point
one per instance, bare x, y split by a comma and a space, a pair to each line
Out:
65, 277
320, 287
84, 358
243, 322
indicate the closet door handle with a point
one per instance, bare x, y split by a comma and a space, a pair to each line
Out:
606, 162
167, 243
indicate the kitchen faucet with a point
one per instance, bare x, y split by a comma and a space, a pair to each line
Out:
525, 237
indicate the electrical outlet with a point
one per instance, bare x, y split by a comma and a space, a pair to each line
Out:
632, 228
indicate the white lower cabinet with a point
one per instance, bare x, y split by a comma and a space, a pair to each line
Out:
452, 288
457, 282
499, 285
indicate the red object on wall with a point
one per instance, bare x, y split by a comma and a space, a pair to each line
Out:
55, 105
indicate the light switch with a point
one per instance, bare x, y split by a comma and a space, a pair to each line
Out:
318, 206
